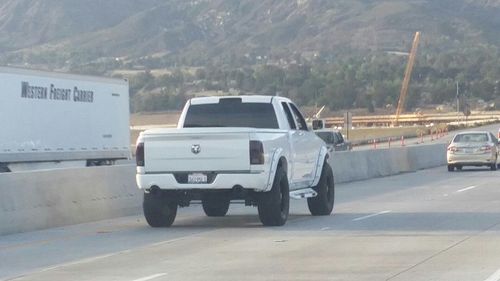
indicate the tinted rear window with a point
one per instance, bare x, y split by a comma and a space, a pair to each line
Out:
471, 138
232, 114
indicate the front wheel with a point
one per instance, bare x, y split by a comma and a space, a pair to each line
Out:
451, 168
493, 167
159, 210
322, 204
274, 205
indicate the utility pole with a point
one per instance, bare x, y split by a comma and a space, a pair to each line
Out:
458, 100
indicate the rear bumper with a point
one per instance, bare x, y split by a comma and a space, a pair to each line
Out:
472, 160
258, 181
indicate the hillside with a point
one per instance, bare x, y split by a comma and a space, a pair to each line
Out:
68, 33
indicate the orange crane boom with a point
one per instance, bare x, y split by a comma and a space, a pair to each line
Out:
407, 78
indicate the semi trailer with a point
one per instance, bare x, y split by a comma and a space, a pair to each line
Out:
50, 117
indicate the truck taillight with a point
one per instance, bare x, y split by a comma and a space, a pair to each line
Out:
139, 154
256, 153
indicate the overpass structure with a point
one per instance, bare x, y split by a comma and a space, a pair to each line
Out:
412, 119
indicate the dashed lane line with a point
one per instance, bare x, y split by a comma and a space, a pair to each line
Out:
151, 277
467, 188
494, 277
372, 215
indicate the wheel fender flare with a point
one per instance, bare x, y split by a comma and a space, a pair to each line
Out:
322, 158
275, 160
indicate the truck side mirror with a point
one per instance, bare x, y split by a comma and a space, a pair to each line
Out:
318, 124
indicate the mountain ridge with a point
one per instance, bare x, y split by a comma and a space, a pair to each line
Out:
197, 32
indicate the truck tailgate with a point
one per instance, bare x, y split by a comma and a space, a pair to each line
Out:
197, 152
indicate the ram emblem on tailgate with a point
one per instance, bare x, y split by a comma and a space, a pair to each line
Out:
195, 148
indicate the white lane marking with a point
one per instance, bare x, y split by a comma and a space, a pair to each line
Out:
325, 228
168, 241
467, 188
372, 215
87, 260
150, 277
494, 277
92, 259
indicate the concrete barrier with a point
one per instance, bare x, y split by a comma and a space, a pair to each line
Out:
366, 164
51, 198
424, 157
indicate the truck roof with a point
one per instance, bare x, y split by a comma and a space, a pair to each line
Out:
244, 99
61, 75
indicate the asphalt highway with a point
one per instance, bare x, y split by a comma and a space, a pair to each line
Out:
428, 225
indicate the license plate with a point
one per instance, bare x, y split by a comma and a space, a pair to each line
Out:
469, 150
197, 178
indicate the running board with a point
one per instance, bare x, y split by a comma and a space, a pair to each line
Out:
303, 193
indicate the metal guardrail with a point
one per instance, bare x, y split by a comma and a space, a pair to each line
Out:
410, 119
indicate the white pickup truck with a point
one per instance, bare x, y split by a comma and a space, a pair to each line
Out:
252, 148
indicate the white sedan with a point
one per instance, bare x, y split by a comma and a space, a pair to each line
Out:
475, 148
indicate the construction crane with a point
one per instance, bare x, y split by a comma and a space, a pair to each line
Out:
407, 78
318, 114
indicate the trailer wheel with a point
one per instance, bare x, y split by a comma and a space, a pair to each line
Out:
4, 169
215, 204
159, 211
322, 205
274, 205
